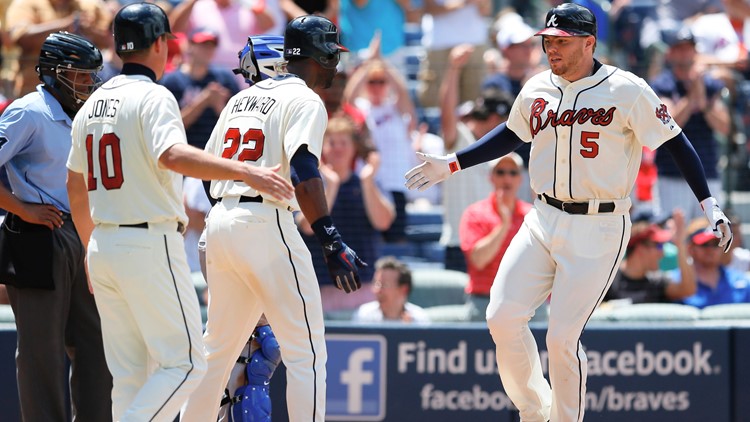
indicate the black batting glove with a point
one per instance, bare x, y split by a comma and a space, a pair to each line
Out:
343, 265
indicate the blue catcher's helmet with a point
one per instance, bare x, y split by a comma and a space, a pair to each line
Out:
259, 58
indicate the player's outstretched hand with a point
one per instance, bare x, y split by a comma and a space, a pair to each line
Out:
720, 224
343, 265
267, 180
434, 169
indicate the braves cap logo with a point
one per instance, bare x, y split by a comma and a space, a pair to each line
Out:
663, 114
552, 21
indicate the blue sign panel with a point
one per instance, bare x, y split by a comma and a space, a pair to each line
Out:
642, 373
356, 380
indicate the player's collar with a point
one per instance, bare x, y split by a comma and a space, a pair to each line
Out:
597, 66
138, 69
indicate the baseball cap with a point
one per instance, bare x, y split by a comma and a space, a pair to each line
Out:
569, 20
201, 35
702, 236
648, 232
678, 36
491, 100
512, 156
511, 29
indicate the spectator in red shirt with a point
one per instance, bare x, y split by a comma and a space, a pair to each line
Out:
487, 227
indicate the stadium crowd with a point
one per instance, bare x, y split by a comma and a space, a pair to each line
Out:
434, 76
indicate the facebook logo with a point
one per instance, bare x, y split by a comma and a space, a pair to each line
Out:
356, 377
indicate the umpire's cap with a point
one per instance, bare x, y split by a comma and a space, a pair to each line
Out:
569, 20
315, 37
137, 25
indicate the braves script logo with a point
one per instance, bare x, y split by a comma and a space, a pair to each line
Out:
539, 119
552, 21
663, 114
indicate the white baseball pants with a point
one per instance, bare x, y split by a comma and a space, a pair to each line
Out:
258, 263
573, 258
151, 322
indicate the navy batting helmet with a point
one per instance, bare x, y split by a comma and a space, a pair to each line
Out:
569, 20
137, 25
315, 37
63, 55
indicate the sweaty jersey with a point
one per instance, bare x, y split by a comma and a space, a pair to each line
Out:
118, 136
264, 125
585, 135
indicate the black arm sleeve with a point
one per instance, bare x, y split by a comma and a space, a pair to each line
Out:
304, 166
690, 165
496, 143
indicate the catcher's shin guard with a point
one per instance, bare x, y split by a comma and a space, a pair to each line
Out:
253, 402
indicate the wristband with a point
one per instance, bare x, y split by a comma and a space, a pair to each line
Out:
325, 231
453, 163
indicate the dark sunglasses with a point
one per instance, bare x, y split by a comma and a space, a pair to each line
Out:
376, 81
502, 172
657, 245
709, 245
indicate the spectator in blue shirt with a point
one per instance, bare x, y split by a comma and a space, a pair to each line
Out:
717, 284
201, 89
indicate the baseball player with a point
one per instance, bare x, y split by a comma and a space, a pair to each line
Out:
129, 147
257, 261
54, 311
247, 397
587, 123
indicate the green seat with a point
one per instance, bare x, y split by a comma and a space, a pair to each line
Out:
726, 311
339, 315
200, 285
601, 314
204, 314
448, 313
436, 287
655, 312
6, 314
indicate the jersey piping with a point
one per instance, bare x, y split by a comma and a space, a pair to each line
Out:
570, 140
304, 311
187, 332
610, 278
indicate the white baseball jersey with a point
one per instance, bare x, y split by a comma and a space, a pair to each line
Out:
274, 107
118, 136
140, 275
587, 134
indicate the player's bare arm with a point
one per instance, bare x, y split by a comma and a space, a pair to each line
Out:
44, 214
311, 197
79, 206
190, 161
342, 261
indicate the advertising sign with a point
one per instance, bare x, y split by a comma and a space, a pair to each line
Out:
449, 374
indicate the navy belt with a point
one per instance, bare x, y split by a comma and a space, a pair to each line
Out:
180, 226
575, 207
258, 199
